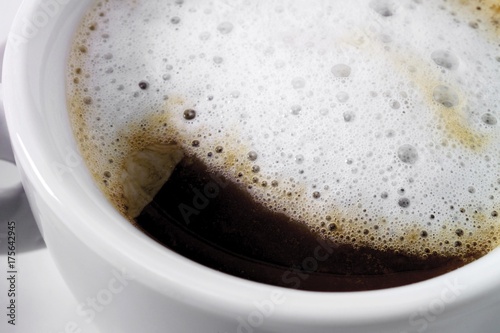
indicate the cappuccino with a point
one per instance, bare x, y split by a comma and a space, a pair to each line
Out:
251, 136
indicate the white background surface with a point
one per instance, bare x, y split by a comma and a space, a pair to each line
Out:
44, 303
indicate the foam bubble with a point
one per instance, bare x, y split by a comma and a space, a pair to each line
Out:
445, 96
408, 154
298, 83
341, 70
225, 27
384, 8
445, 59
295, 109
489, 119
252, 156
342, 96
189, 114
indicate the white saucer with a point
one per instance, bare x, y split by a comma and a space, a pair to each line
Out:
43, 302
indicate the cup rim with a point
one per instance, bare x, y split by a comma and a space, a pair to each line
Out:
120, 242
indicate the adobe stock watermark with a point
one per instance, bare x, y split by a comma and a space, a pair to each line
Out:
98, 302
295, 276
202, 197
421, 319
104, 297
72, 159
262, 310
31, 26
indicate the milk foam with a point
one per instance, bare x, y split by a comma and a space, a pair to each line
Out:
374, 122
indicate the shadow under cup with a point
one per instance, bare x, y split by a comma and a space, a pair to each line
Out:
91, 243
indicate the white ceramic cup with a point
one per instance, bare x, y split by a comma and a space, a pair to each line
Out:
126, 282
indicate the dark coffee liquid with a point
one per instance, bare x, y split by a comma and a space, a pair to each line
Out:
214, 222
